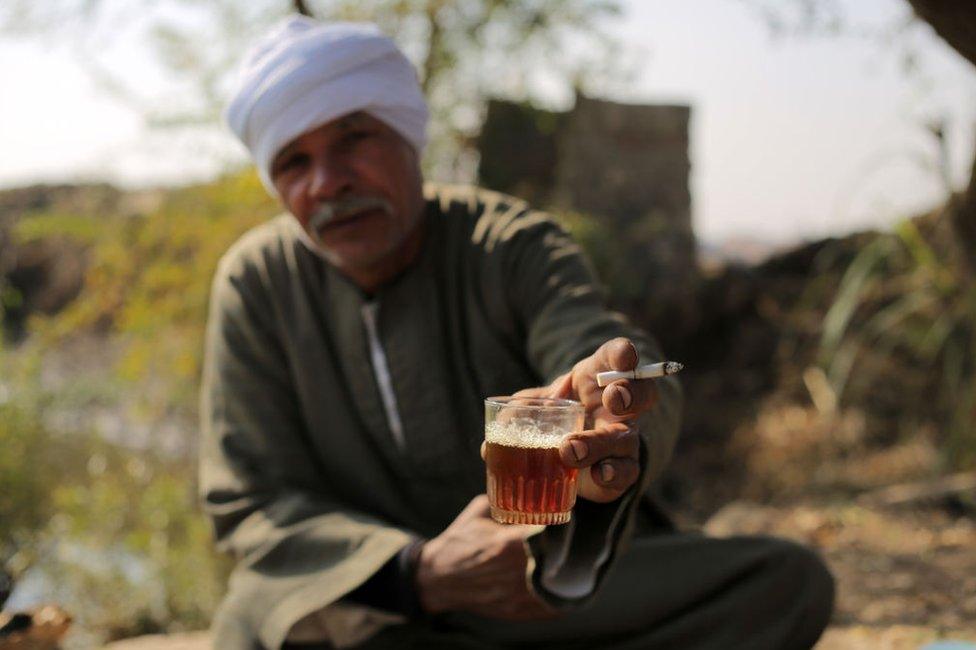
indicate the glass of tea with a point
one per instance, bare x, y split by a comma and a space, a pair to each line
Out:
527, 483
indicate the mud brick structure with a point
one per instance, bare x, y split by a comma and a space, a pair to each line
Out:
626, 165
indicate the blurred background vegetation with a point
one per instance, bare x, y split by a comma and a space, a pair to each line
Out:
819, 357
114, 522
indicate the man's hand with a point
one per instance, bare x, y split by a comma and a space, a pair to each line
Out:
479, 566
607, 451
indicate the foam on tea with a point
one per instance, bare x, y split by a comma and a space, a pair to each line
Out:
525, 435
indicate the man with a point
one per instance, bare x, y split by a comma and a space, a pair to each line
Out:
350, 346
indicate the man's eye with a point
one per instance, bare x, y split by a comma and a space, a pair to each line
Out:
290, 162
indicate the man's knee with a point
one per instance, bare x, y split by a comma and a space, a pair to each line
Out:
802, 578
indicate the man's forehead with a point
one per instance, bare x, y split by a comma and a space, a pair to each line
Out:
347, 121
351, 119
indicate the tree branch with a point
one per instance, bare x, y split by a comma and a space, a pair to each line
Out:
954, 21
963, 211
432, 62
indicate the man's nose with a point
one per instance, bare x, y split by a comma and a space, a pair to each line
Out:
331, 178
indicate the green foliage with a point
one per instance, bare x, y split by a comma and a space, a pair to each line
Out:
860, 278
116, 527
24, 502
906, 309
32, 458
10, 297
115, 531
149, 280
81, 228
135, 531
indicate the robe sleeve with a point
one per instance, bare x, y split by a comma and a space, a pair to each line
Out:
555, 296
298, 549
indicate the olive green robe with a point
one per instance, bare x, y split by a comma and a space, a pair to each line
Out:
299, 470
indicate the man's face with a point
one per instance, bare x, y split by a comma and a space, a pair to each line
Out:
369, 175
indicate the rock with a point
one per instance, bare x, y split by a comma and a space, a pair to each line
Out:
184, 641
740, 518
39, 629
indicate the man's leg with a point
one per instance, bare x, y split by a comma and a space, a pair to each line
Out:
689, 591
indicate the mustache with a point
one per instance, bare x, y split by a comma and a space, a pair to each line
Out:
329, 211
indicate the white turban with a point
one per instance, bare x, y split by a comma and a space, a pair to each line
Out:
304, 73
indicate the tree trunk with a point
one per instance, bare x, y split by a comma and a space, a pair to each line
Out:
434, 60
302, 8
955, 22
964, 221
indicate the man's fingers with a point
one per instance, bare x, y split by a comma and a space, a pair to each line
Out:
560, 388
615, 474
621, 354
477, 508
629, 397
588, 447
615, 354
480, 508
535, 391
618, 354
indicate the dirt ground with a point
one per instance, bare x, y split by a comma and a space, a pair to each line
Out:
898, 534
903, 578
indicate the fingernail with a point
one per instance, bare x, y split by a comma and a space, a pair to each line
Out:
625, 397
579, 449
606, 472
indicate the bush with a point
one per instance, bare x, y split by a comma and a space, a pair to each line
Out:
903, 325
113, 528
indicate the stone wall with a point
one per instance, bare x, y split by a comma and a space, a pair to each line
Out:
627, 166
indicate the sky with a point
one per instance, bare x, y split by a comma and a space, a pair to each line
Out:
792, 137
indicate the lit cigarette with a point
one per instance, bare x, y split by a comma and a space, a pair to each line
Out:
662, 369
